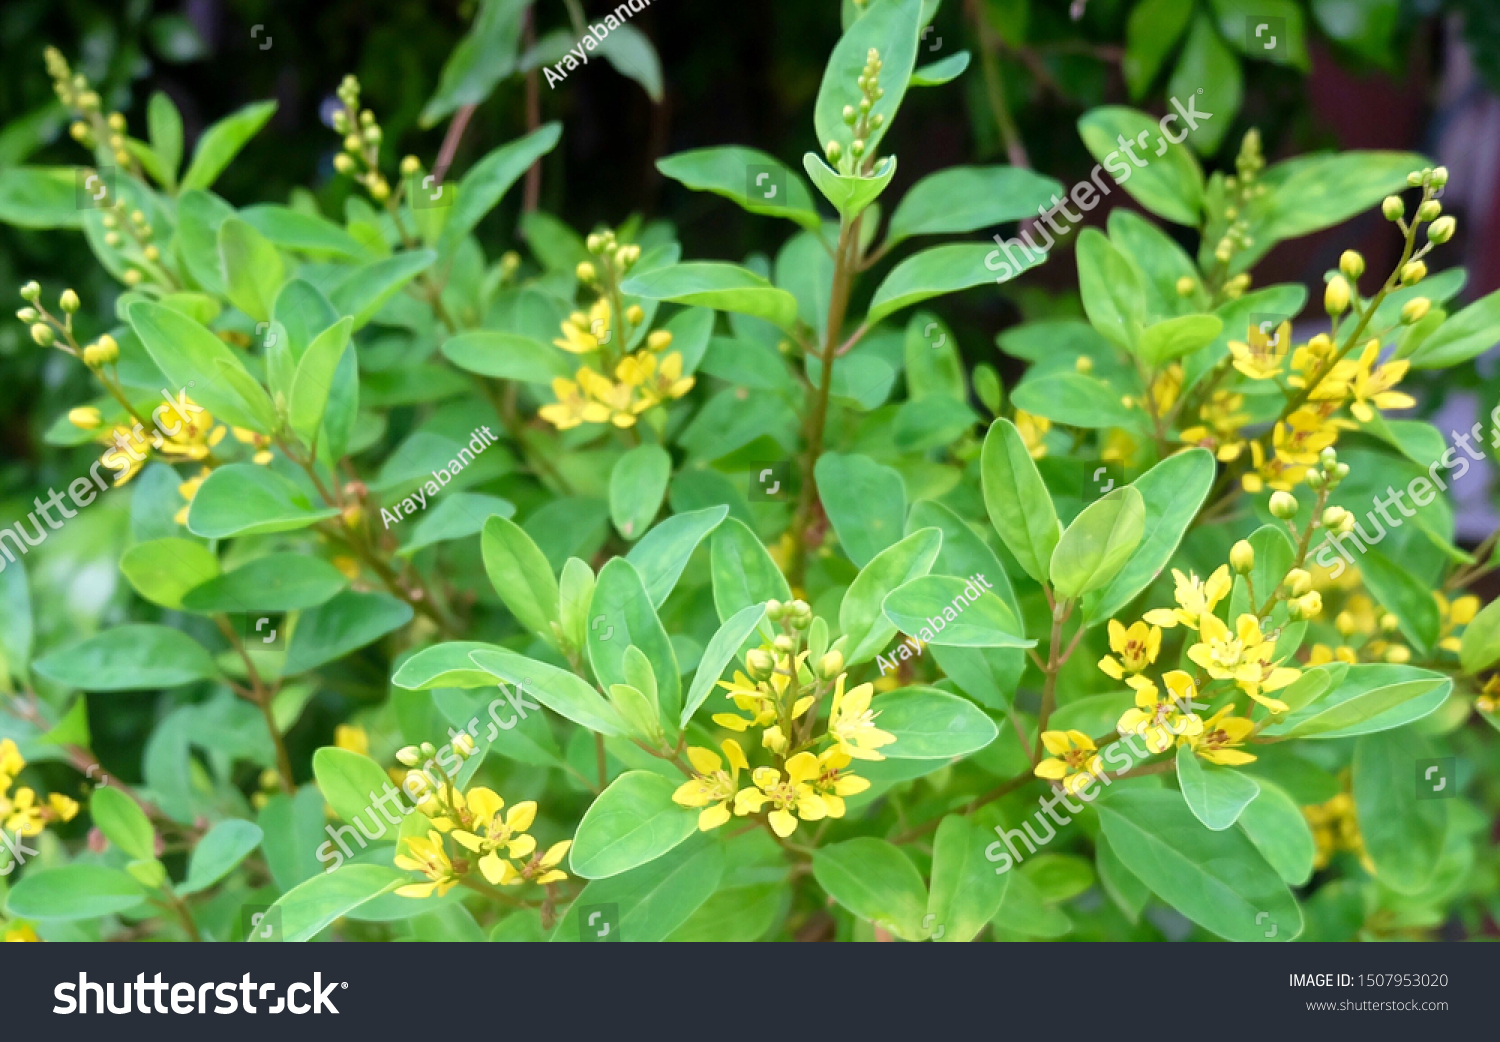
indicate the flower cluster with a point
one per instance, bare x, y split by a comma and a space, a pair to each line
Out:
360, 158
488, 836
779, 693
21, 811
642, 379
1335, 828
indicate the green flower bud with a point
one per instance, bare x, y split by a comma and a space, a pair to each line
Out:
42, 334
1185, 287
1439, 176
831, 665
1441, 230
1413, 273
585, 272
1429, 210
409, 755
68, 301
31, 291
759, 663
343, 163
1297, 582
1393, 208
27, 315
774, 610
1336, 296
1283, 505
784, 643
1242, 557
1352, 264
1414, 310
1415, 177
410, 165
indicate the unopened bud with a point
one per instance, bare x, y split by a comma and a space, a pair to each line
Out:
1413, 273
1242, 557
1297, 582
31, 291
409, 755
464, 745
585, 272
1398, 654
1185, 286
635, 314
27, 315
1336, 296
68, 301
1439, 176
1441, 230
1415, 309
1393, 208
1429, 210
784, 643
831, 665
85, 417
410, 165
659, 340
1283, 505
42, 334
343, 164
1352, 264
774, 610
759, 663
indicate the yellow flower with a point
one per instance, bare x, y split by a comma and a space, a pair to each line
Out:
619, 398
1489, 698
187, 490
833, 783
541, 869
428, 857
1074, 760
785, 796
1261, 358
1219, 429
1161, 720
571, 407
11, 763
852, 724
1166, 387
492, 833
347, 736
23, 815
1335, 827
65, 807
1305, 433
711, 784
1371, 384
581, 334
1460, 612
1244, 656
635, 369
1033, 431
1219, 738
751, 697
668, 382
1195, 598
1137, 648
23, 932
260, 442
1275, 471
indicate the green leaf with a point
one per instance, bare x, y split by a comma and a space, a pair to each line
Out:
251, 267
934, 367
868, 508
1123, 887
304, 232
1170, 186
630, 51
1403, 834
1176, 337
1373, 697
221, 142
135, 657
309, 908
892, 28
1018, 503
1073, 399
276, 582
1208, 70
40, 197
1095, 547
1153, 29
457, 516
731, 171
520, 574
557, 689
850, 194
860, 614
163, 570
345, 623
123, 823
967, 615
1173, 491
1216, 879
1235, 21
1112, 293
963, 552
1481, 641
1023, 912
935, 272
664, 552
1275, 824
632, 822
201, 365
964, 199
506, 356
1312, 192
314, 379
966, 893
444, 665
245, 499
622, 616
352, 783
724, 287
487, 54
637, 487
930, 724
653, 900
67, 893
1465, 335
945, 70
226, 845
489, 179
875, 881
743, 572
1404, 596
1217, 796
165, 125
369, 287
721, 651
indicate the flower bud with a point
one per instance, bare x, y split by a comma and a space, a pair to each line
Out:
343, 164
1414, 310
1309, 605
463, 744
1333, 518
1314, 480
42, 334
1342, 471
410, 165
659, 340
1389, 623
1429, 210
585, 272
1283, 505
1439, 176
831, 665
1336, 296
1297, 582
1083, 364
1441, 230
834, 151
635, 314
68, 301
31, 291
628, 255
1186, 285
409, 755
759, 663
1352, 264
132, 276
1242, 557
595, 243
85, 417
1328, 458
379, 190
1393, 208
353, 143
1413, 273
372, 135
784, 643
1398, 654
27, 315
1415, 177
774, 610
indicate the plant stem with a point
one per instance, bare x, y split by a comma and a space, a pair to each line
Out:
262, 698
994, 86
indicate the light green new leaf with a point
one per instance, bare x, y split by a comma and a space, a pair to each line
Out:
520, 574
314, 380
724, 287
966, 892
967, 198
621, 617
138, 656
351, 783
953, 612
743, 572
931, 725
892, 28
946, 70
123, 823
875, 881
860, 614
221, 142
226, 845
1170, 185
1373, 697
1217, 879
245, 499
665, 551
1097, 544
1217, 796
731, 171
1276, 825
1174, 338
67, 893
251, 267
637, 486
935, 272
310, 907
1403, 834
723, 649
632, 822
850, 194
444, 665
1112, 293
557, 689
1481, 641
162, 570
1018, 503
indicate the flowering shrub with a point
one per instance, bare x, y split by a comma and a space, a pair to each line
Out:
800, 617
